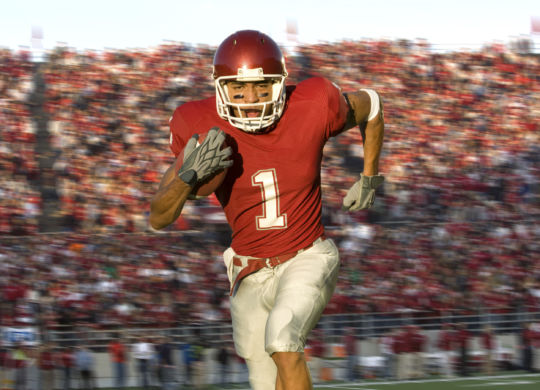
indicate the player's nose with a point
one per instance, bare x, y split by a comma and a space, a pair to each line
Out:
250, 94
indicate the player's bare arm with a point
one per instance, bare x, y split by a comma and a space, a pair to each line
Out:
199, 162
372, 130
366, 111
167, 204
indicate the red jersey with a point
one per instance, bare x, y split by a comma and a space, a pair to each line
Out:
446, 340
117, 352
418, 341
46, 360
463, 336
271, 196
67, 359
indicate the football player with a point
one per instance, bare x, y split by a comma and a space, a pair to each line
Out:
282, 268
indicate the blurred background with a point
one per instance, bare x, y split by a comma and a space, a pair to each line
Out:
453, 238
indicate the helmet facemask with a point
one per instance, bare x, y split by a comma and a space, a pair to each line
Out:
270, 111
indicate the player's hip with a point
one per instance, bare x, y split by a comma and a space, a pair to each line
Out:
319, 258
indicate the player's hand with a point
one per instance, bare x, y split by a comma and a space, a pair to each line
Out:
362, 194
202, 161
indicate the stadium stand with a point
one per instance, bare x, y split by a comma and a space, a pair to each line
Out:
84, 140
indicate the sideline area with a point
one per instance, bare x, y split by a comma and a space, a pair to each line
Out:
522, 381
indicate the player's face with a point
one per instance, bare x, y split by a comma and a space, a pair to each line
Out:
250, 93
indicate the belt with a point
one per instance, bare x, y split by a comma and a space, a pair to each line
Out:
254, 264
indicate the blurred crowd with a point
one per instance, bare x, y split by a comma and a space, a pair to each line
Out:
20, 199
84, 141
108, 282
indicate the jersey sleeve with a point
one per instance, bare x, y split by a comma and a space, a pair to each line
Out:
337, 109
177, 127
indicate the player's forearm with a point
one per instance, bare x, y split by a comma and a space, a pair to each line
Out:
373, 142
167, 204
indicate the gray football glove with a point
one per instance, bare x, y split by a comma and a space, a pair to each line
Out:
362, 194
205, 160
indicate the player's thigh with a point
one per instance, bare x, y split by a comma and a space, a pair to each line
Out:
249, 314
304, 288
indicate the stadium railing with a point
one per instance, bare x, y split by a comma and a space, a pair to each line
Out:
366, 325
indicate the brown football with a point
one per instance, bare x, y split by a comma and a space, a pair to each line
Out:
212, 183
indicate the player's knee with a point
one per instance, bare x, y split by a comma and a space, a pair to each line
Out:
289, 361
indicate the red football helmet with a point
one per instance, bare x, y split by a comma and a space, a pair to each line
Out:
249, 56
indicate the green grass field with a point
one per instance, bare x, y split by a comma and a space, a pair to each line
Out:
502, 382
505, 381
508, 381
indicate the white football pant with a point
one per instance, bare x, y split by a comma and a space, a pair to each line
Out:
274, 309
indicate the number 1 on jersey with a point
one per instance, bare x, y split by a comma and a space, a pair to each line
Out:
266, 179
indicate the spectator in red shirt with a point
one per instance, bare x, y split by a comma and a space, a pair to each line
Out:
351, 348
446, 342
118, 354
488, 344
67, 361
13, 291
47, 365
